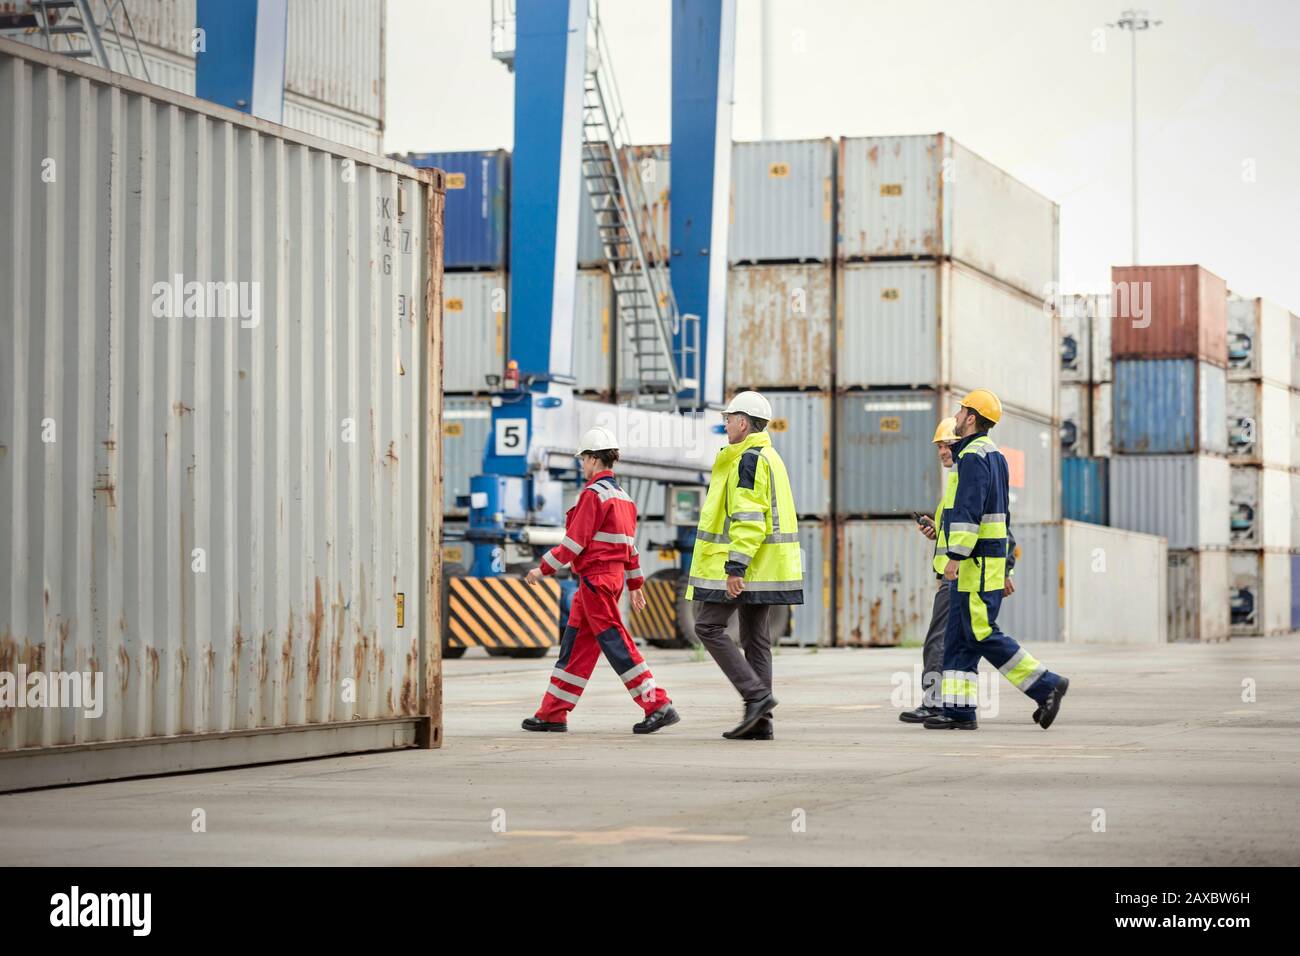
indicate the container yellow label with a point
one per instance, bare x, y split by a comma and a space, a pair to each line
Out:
455, 305
453, 554
455, 180
891, 423
778, 170
891, 189
667, 554
778, 425
401, 609
453, 429
889, 294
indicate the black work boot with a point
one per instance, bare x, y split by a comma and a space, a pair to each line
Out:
545, 726
754, 712
1047, 712
920, 715
944, 722
665, 716
762, 730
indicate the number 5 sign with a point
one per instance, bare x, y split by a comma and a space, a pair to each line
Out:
512, 436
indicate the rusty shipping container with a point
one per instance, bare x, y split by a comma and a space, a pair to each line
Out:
1169, 312
930, 197
779, 327
219, 434
885, 584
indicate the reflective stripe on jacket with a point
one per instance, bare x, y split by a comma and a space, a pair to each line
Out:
976, 524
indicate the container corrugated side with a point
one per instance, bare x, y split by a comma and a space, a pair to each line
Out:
1169, 312
226, 513
1295, 510
1183, 498
1295, 429
474, 310
1259, 341
1085, 495
782, 201
1261, 507
593, 333
1259, 585
886, 465
801, 434
1076, 420
1295, 592
334, 53
932, 324
926, 195
1036, 611
779, 327
813, 622
1102, 359
1258, 416
1169, 407
1103, 419
466, 424
478, 205
885, 584
1295, 351
1077, 321
1198, 596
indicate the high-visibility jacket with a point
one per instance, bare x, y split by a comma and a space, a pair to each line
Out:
599, 534
976, 525
940, 561
748, 527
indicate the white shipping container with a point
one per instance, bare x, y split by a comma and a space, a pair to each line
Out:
927, 324
1259, 341
474, 311
1295, 510
782, 201
228, 344
1261, 507
1260, 592
466, 424
801, 434
1087, 584
1076, 420
885, 583
1198, 596
1076, 338
1295, 353
1259, 424
929, 196
334, 53
1103, 413
593, 333
1294, 463
1103, 363
779, 327
812, 623
1183, 498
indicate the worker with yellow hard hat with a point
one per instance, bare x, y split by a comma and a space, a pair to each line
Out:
975, 530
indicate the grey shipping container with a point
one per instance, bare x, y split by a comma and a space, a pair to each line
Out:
466, 424
1259, 342
926, 324
782, 201
907, 196
593, 333
1259, 424
801, 433
230, 510
474, 324
886, 465
885, 584
1087, 584
1198, 596
1183, 498
779, 327
813, 622
1259, 590
1261, 508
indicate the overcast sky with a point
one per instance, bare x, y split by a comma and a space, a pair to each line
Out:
1018, 81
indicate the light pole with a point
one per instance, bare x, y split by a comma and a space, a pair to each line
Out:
1133, 21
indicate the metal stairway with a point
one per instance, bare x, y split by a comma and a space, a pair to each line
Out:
73, 22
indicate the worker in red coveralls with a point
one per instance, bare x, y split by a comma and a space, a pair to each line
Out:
600, 545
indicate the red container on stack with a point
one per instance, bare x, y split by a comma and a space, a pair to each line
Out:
1184, 313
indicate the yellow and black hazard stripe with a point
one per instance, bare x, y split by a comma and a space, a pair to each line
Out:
658, 622
502, 612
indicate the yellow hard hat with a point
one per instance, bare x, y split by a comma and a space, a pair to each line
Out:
984, 402
946, 431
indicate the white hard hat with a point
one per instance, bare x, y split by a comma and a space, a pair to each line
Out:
597, 439
752, 404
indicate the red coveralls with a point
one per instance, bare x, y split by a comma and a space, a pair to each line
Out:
599, 542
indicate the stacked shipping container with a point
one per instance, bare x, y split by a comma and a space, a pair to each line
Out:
1085, 407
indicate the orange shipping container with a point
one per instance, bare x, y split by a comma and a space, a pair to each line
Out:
1169, 312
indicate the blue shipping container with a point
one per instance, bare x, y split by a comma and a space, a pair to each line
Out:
1295, 592
478, 206
1084, 494
1169, 407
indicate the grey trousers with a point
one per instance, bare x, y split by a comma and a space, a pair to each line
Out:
750, 672
932, 652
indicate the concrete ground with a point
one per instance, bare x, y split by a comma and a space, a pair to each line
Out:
1156, 759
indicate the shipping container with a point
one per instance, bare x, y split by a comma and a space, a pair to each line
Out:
782, 201
813, 622
593, 333
1295, 511
927, 196
474, 326
1295, 592
1086, 584
1170, 312
650, 165
779, 327
457, 553
885, 583
1295, 351
1103, 419
1259, 584
657, 553
230, 508
478, 205
1261, 508
926, 324
1198, 596
466, 424
1103, 362
801, 433
1259, 341
1076, 420
1169, 407
1077, 322
1295, 429
1085, 493
886, 465
647, 495
1259, 424
1183, 498
334, 53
